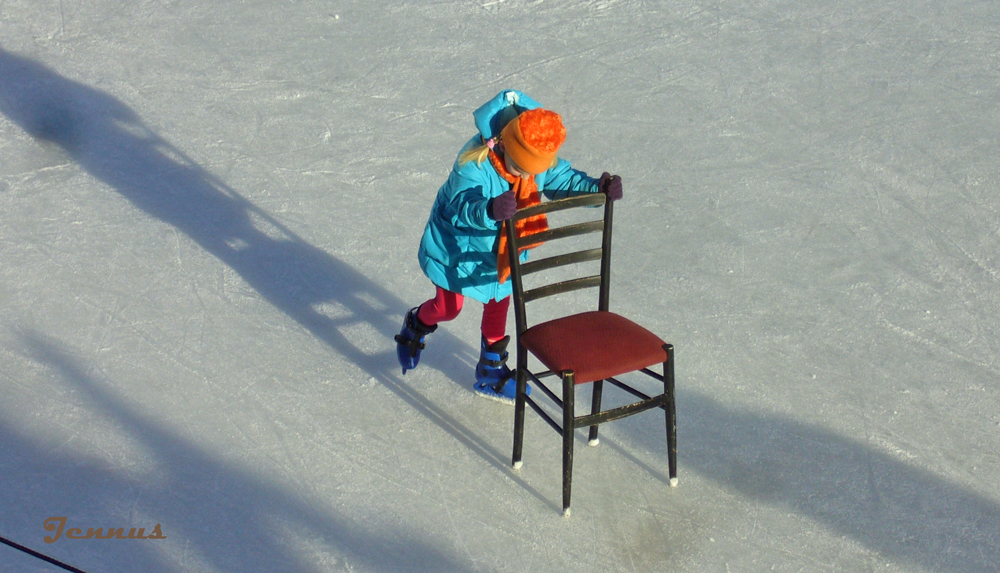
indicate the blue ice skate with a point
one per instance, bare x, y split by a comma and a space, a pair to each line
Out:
410, 340
493, 378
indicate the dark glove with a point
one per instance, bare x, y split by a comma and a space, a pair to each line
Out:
610, 185
502, 207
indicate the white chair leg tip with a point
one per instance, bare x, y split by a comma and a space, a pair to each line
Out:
517, 465
594, 442
566, 512
673, 482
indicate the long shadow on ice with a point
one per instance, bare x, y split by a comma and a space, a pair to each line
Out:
887, 504
110, 142
216, 515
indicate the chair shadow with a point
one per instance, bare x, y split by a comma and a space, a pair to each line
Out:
111, 143
880, 501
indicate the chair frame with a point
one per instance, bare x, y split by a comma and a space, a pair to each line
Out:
567, 402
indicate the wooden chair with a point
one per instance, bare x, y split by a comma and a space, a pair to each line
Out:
589, 347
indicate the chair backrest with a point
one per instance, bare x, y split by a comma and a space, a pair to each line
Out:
601, 281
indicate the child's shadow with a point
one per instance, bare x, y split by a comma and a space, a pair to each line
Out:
110, 142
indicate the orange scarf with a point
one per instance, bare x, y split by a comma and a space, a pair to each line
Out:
527, 195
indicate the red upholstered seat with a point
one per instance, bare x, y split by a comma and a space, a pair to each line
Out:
594, 345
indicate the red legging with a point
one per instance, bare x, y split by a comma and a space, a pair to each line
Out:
446, 305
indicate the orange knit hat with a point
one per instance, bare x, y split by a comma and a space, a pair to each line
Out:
533, 138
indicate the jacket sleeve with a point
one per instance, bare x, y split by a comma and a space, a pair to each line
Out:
563, 181
468, 199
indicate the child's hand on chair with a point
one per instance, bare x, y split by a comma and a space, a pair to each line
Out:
503, 207
610, 185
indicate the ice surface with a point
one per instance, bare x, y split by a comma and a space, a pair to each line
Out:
210, 214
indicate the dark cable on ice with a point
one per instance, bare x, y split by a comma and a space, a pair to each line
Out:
41, 556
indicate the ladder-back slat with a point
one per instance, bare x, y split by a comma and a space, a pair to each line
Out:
563, 232
561, 287
588, 200
560, 260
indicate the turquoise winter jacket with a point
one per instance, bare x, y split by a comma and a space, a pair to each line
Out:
458, 251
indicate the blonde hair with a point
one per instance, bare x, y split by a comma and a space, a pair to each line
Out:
478, 154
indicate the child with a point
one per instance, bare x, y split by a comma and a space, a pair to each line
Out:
463, 250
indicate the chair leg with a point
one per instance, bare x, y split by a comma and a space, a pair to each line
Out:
670, 413
595, 409
521, 380
568, 427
